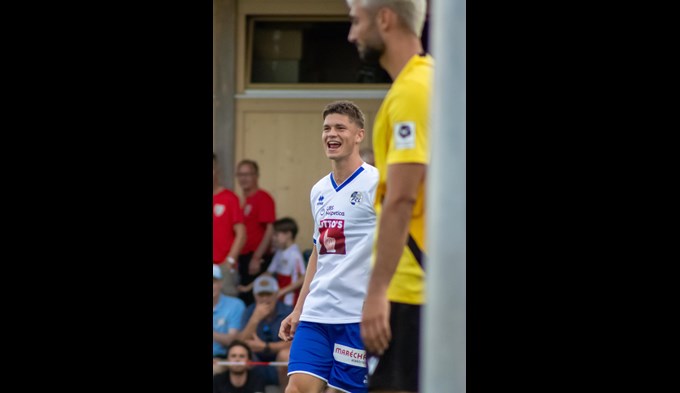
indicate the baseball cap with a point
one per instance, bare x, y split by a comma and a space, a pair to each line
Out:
217, 272
265, 284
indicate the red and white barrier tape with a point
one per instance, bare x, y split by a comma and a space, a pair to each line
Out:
277, 364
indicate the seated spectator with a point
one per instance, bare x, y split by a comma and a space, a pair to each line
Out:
227, 314
260, 329
287, 265
239, 379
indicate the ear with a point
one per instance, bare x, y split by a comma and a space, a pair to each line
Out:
360, 135
386, 18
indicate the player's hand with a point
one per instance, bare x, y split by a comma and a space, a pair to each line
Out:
375, 323
289, 326
254, 266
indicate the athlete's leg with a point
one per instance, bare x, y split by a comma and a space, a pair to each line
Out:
304, 383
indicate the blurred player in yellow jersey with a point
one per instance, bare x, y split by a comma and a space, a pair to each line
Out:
388, 32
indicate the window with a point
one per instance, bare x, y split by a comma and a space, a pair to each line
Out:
307, 51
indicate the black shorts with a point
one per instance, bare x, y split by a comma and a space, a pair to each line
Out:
399, 366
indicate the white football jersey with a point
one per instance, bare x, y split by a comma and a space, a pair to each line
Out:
344, 222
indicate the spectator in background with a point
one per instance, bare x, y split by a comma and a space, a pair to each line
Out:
260, 325
239, 379
259, 213
287, 264
227, 315
229, 233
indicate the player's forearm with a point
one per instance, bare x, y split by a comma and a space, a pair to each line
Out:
392, 237
309, 276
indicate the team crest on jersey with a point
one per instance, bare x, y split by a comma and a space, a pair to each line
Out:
247, 209
218, 209
355, 198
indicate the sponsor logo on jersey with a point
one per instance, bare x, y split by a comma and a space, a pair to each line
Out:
349, 355
355, 198
219, 209
332, 236
330, 212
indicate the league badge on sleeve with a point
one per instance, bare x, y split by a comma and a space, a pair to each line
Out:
405, 135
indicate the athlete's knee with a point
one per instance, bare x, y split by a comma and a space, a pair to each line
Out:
292, 387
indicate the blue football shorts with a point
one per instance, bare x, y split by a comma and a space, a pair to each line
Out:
333, 353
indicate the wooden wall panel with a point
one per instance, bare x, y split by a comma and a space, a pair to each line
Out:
284, 137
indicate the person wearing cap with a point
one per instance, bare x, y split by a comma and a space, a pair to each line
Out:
259, 327
227, 313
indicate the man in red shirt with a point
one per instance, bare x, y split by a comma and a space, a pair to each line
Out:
259, 214
229, 233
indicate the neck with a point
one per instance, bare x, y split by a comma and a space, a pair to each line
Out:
216, 300
398, 51
217, 189
344, 169
238, 379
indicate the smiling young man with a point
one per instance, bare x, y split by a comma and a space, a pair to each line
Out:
324, 326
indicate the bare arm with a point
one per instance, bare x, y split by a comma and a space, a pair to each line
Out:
225, 338
289, 325
239, 241
309, 276
403, 181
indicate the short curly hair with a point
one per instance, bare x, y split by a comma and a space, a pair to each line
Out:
345, 108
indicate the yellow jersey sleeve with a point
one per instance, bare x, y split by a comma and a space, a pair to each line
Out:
408, 118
